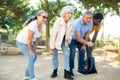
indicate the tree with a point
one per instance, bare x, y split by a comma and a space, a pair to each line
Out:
53, 9
12, 12
104, 6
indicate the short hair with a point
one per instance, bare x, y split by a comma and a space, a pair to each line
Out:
86, 12
98, 16
66, 9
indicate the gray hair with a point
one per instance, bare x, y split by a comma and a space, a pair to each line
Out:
86, 12
41, 12
66, 9
35, 17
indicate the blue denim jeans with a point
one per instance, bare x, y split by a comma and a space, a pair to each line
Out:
29, 72
81, 55
55, 61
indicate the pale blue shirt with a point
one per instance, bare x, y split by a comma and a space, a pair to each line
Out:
81, 27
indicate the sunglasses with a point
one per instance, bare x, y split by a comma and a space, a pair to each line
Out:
44, 17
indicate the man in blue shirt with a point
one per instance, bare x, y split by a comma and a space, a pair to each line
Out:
80, 37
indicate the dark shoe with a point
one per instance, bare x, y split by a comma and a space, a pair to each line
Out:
72, 74
54, 73
67, 75
83, 72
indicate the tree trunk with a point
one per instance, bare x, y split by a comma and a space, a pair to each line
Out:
47, 36
47, 27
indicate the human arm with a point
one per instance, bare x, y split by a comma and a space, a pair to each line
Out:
77, 34
69, 33
95, 36
87, 35
38, 39
36, 44
82, 40
29, 40
53, 36
86, 38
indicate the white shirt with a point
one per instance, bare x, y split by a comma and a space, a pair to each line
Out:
23, 35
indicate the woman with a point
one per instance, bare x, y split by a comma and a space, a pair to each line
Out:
61, 37
30, 34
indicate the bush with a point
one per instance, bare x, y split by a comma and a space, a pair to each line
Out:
100, 43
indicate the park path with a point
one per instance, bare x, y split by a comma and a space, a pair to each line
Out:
107, 63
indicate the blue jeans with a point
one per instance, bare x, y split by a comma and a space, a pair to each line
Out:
55, 61
29, 72
81, 55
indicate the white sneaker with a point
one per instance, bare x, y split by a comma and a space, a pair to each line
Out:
26, 77
34, 78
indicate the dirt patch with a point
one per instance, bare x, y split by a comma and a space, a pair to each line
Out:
109, 54
117, 58
99, 52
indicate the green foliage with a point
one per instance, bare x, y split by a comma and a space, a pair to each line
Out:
12, 12
4, 38
100, 43
53, 9
104, 6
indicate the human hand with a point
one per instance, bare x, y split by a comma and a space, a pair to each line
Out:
67, 41
89, 44
83, 47
34, 49
31, 54
52, 51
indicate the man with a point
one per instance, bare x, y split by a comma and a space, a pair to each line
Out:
83, 27
97, 18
